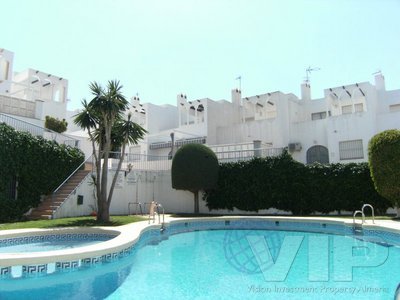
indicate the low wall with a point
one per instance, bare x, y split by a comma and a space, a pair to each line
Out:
144, 187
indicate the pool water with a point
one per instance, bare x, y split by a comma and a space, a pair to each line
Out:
52, 242
230, 264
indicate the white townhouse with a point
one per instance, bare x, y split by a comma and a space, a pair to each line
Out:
31, 95
335, 128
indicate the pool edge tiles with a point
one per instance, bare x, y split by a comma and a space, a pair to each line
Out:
16, 265
327, 226
11, 241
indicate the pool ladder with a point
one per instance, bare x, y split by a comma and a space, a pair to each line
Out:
154, 209
358, 227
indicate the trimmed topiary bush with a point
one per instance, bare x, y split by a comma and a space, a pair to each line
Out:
384, 162
194, 168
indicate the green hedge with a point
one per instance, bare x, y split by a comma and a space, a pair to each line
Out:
194, 167
384, 161
283, 183
39, 166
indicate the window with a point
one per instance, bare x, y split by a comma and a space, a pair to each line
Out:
359, 107
347, 109
4, 69
394, 107
351, 149
318, 154
318, 116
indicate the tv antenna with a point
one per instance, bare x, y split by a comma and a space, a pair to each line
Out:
308, 72
378, 71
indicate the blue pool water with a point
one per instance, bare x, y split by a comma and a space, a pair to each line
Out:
50, 242
230, 264
47, 246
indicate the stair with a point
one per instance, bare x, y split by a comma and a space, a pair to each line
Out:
46, 208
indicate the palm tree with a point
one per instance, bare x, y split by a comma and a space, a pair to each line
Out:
103, 118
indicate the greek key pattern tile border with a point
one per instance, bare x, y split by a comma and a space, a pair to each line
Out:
55, 237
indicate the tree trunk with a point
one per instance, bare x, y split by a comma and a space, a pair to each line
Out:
103, 213
114, 181
196, 202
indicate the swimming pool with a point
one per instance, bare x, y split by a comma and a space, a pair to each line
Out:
237, 259
50, 242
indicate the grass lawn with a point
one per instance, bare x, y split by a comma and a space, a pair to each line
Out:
71, 222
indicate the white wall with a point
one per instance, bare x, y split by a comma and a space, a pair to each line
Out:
33, 84
160, 118
141, 187
70, 208
6, 69
52, 109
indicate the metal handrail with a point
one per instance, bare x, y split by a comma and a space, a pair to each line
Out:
156, 211
372, 209
72, 174
362, 215
163, 213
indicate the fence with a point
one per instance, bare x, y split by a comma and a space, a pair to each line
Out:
243, 155
143, 162
36, 130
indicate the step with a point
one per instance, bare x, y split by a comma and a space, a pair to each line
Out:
42, 217
55, 202
47, 206
62, 195
69, 186
42, 211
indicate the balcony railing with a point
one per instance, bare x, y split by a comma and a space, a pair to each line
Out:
143, 162
36, 130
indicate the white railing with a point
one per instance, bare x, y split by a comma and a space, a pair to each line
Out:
143, 162
243, 155
36, 130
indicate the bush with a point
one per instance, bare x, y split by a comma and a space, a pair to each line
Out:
38, 165
384, 162
55, 124
285, 184
194, 168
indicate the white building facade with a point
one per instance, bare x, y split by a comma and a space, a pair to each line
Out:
336, 128
31, 94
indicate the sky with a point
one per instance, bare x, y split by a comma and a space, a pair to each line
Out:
159, 49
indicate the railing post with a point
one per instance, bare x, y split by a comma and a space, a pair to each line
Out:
257, 148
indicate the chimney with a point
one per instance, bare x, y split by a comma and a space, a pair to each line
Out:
236, 97
306, 91
181, 98
380, 82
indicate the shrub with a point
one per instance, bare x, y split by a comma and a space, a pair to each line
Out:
194, 168
285, 184
38, 166
384, 162
55, 124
